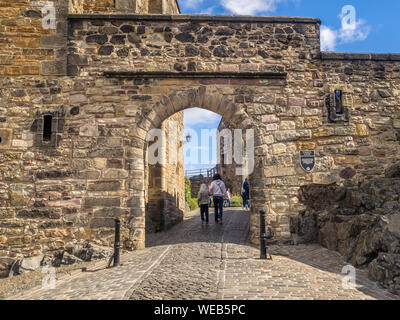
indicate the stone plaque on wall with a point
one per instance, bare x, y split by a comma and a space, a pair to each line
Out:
307, 160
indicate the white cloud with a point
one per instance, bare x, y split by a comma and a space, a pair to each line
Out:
196, 116
208, 10
192, 4
352, 33
330, 38
251, 7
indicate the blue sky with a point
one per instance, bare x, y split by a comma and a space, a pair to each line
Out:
197, 120
380, 19
375, 28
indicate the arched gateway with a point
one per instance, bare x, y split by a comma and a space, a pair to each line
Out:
75, 113
206, 97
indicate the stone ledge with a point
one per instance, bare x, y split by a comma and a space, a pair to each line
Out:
360, 56
166, 74
193, 17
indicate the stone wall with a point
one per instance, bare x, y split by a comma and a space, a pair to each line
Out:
26, 47
128, 74
165, 203
195, 184
124, 6
361, 222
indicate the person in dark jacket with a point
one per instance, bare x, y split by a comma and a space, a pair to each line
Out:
246, 194
218, 190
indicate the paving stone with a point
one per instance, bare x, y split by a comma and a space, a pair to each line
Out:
209, 262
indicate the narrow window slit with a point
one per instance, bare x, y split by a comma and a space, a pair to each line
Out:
47, 132
339, 102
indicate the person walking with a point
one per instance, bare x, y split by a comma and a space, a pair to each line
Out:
227, 201
218, 190
202, 199
246, 194
209, 197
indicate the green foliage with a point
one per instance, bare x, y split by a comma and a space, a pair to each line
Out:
193, 205
236, 201
192, 202
188, 192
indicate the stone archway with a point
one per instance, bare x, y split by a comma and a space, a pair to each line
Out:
209, 98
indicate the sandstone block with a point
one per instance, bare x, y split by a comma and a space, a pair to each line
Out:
77, 99
111, 212
6, 214
40, 213
312, 122
229, 68
287, 125
347, 160
296, 102
270, 118
279, 148
102, 223
362, 130
102, 202
305, 145
324, 132
104, 186
115, 174
324, 178
89, 131
271, 172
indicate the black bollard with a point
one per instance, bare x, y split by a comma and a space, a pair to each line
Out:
263, 237
117, 244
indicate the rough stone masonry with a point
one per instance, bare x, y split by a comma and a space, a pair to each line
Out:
77, 102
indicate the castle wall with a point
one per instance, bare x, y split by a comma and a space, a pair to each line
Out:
165, 203
266, 74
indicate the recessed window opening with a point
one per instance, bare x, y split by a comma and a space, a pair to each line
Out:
47, 120
339, 102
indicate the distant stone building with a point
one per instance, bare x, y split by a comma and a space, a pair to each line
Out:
225, 167
77, 102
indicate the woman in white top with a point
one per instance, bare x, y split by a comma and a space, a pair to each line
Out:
218, 190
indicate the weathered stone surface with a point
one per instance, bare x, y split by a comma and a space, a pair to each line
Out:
386, 270
106, 50
6, 264
102, 202
97, 38
30, 264
39, 213
69, 259
185, 37
104, 186
393, 171
357, 222
89, 252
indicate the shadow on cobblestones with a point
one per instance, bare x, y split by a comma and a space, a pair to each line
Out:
294, 268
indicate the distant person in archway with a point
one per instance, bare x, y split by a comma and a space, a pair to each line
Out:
209, 197
227, 201
202, 199
218, 190
246, 194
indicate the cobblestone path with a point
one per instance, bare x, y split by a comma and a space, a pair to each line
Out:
195, 261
